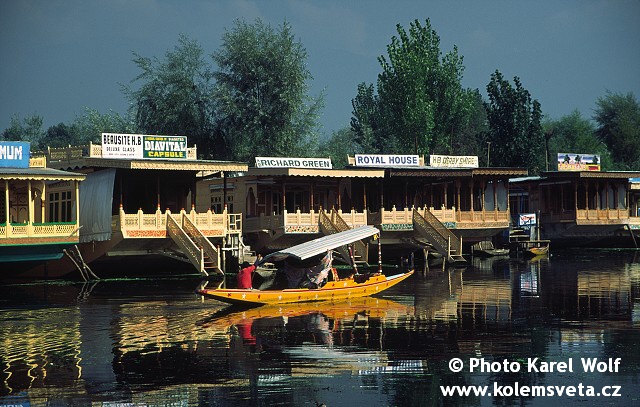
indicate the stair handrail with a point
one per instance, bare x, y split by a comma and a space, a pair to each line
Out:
184, 242
202, 241
442, 229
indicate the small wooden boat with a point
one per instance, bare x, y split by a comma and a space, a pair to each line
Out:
536, 247
485, 248
357, 285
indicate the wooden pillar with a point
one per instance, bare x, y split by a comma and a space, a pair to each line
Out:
406, 194
471, 197
312, 196
6, 205
77, 199
482, 185
364, 194
339, 197
43, 201
121, 195
495, 195
284, 197
458, 197
30, 208
575, 197
586, 194
224, 190
157, 191
446, 200
381, 194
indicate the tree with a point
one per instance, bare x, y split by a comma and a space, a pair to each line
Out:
421, 107
574, 134
340, 145
175, 95
91, 124
262, 92
618, 118
28, 129
365, 120
515, 129
59, 136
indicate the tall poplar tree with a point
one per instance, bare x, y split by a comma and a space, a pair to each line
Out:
421, 105
515, 128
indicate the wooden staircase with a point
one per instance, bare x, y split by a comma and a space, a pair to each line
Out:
442, 239
331, 223
194, 245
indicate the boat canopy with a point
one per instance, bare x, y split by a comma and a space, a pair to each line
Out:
322, 244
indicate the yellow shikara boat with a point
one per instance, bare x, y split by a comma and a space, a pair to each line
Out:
332, 291
358, 285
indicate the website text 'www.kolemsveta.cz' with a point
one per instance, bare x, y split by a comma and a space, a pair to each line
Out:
518, 390
534, 365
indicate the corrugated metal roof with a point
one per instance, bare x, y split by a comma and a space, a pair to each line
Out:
322, 244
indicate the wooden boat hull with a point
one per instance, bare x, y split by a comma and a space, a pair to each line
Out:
538, 251
332, 291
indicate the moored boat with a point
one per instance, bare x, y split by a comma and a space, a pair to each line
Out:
486, 248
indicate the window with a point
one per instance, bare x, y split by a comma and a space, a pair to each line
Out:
60, 206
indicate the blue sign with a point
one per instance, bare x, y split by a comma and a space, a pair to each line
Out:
14, 154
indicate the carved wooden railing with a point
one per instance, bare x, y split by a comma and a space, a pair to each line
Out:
39, 230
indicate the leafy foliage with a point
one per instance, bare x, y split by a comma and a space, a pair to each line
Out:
515, 129
338, 147
262, 92
28, 129
421, 106
175, 95
574, 134
618, 118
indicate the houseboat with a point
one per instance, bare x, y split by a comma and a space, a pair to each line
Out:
286, 201
39, 209
579, 205
138, 199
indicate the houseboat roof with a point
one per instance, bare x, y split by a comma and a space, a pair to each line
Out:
91, 156
590, 174
427, 171
42, 174
321, 173
139, 164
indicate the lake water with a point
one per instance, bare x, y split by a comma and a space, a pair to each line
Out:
153, 342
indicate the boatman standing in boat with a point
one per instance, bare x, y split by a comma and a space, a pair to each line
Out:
245, 275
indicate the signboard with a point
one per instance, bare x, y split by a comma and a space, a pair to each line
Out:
163, 147
287, 162
578, 162
527, 219
453, 161
140, 146
387, 160
14, 154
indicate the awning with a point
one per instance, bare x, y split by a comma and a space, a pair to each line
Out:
322, 244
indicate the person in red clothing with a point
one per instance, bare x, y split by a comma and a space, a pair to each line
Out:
245, 275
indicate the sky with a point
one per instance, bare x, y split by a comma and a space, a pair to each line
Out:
59, 56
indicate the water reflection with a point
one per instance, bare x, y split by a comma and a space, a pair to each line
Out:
154, 342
